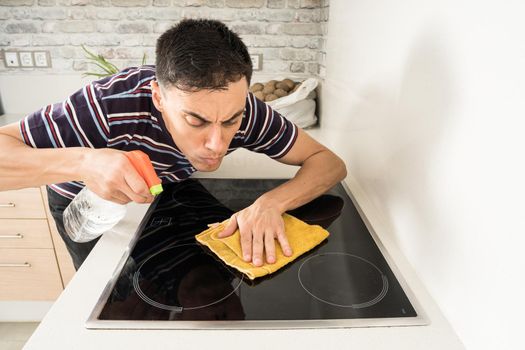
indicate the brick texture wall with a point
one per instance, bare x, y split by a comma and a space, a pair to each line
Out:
289, 33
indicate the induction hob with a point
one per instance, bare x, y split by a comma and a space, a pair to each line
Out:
168, 280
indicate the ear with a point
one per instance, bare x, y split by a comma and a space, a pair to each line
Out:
156, 95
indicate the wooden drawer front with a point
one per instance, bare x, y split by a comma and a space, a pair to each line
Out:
29, 274
65, 264
24, 233
22, 204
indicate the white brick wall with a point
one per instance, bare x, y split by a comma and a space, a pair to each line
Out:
289, 33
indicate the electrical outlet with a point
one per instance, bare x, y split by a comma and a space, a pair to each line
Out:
257, 61
26, 58
11, 59
42, 59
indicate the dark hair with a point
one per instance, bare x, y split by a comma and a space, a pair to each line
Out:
198, 54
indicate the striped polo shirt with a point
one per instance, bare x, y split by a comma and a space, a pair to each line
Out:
118, 112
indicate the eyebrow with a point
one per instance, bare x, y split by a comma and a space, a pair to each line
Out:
193, 114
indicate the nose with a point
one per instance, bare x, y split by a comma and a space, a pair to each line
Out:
214, 141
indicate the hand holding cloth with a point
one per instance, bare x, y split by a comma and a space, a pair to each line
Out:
301, 236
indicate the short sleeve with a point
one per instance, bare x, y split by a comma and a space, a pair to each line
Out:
78, 121
266, 130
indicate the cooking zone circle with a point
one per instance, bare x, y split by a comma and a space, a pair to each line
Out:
184, 277
364, 286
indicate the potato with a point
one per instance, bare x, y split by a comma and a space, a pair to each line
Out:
272, 83
289, 83
270, 97
256, 87
282, 86
280, 93
259, 95
274, 89
268, 89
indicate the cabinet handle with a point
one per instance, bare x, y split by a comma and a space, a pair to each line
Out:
15, 265
18, 235
7, 205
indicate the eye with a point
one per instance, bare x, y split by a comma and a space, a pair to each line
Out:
194, 121
231, 122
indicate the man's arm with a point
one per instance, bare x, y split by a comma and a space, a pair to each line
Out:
261, 223
23, 166
320, 170
105, 171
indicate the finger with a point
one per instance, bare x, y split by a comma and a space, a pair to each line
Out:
213, 225
246, 245
269, 247
135, 187
120, 198
258, 248
283, 241
230, 227
113, 179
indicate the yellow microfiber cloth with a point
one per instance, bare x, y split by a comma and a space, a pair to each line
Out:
302, 237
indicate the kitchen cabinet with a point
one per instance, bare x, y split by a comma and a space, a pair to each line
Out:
34, 263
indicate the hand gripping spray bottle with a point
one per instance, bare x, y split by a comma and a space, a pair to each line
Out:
88, 216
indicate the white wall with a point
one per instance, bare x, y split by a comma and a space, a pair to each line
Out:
425, 101
289, 34
26, 93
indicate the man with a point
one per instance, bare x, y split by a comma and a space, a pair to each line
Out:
186, 112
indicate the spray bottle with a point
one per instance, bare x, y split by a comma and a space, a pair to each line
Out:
88, 216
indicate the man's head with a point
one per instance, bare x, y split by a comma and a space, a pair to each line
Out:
203, 71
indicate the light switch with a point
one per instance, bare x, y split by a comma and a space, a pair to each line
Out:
256, 61
11, 59
42, 59
26, 58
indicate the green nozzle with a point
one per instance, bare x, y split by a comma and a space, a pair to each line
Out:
156, 189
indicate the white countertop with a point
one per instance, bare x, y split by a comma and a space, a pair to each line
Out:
63, 326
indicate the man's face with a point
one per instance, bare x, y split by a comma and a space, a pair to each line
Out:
202, 123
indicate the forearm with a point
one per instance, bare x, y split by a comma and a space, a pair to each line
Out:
317, 175
23, 166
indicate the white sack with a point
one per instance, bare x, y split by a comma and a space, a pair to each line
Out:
299, 106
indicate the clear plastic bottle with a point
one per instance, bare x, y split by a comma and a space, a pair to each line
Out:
88, 216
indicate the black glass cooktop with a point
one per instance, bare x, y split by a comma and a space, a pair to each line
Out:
170, 277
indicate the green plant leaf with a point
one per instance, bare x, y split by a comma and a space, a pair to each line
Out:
107, 67
101, 75
90, 54
115, 68
99, 60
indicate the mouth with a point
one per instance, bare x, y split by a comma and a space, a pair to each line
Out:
211, 161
